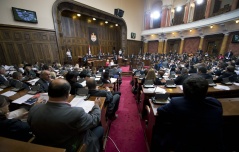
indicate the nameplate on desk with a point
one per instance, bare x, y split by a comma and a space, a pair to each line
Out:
79, 101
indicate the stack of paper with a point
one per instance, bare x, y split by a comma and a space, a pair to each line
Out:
160, 90
221, 87
113, 80
22, 99
83, 83
9, 93
33, 81
80, 102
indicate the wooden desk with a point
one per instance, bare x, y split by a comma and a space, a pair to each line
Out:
230, 115
10, 145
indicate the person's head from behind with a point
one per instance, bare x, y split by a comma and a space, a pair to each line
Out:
4, 109
184, 71
150, 75
17, 76
45, 75
230, 68
202, 70
91, 83
2, 71
195, 88
71, 76
59, 90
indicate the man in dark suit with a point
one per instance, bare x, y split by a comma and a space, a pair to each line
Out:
17, 77
196, 120
202, 71
71, 77
111, 100
45, 79
2, 75
229, 54
58, 124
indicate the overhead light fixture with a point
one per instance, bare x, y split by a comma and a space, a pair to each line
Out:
74, 17
78, 15
116, 24
179, 8
199, 2
111, 26
173, 33
211, 26
190, 30
155, 15
237, 21
106, 22
94, 19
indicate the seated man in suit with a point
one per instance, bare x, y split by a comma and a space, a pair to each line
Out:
229, 73
58, 124
28, 72
71, 77
111, 100
195, 120
2, 75
12, 127
17, 77
45, 79
180, 79
202, 71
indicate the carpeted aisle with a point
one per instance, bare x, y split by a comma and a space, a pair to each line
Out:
126, 130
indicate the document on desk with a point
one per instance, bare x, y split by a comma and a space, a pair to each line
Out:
113, 80
22, 99
83, 83
33, 81
221, 87
9, 93
97, 79
237, 84
79, 101
160, 90
149, 90
1, 89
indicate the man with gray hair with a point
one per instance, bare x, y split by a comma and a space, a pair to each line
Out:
45, 79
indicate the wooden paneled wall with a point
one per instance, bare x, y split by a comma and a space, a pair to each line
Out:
134, 47
18, 44
76, 37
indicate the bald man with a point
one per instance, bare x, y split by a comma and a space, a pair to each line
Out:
58, 124
45, 79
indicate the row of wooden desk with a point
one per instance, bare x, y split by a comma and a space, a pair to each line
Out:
10, 145
228, 98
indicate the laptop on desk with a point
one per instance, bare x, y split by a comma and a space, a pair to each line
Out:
226, 81
161, 98
170, 84
148, 84
5, 85
18, 87
211, 83
34, 90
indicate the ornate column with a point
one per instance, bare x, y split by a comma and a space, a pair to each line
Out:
201, 43
165, 46
169, 16
208, 7
224, 43
147, 20
191, 12
181, 46
160, 46
234, 5
164, 15
187, 6
145, 46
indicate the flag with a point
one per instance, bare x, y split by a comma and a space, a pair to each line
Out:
89, 50
100, 49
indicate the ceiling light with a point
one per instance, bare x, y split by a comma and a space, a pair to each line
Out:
106, 22
94, 19
173, 33
116, 24
237, 21
179, 8
190, 30
155, 15
211, 26
78, 15
199, 2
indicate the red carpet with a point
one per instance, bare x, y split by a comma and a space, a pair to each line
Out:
125, 68
126, 130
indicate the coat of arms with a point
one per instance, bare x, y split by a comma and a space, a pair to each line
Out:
93, 37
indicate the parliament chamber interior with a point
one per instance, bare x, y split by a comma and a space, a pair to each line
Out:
119, 76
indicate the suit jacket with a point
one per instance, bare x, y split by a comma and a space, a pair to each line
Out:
2, 79
74, 87
13, 83
60, 125
102, 93
14, 128
179, 80
196, 126
43, 85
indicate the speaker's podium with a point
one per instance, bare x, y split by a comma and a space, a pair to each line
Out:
119, 12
